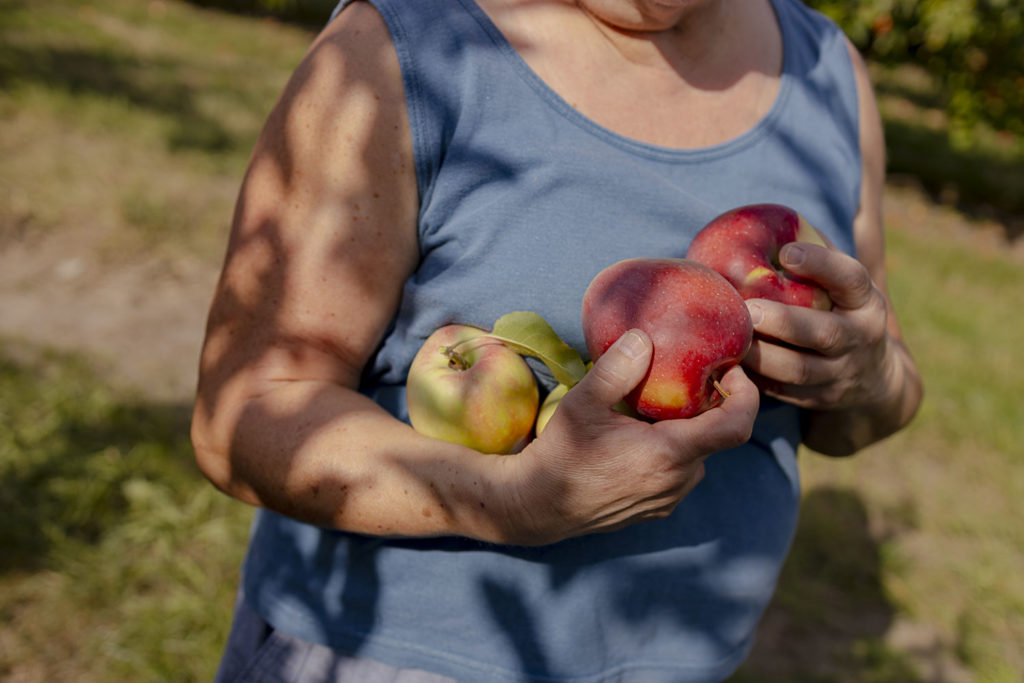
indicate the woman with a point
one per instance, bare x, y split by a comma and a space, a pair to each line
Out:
452, 161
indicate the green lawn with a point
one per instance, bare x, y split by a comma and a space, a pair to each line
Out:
118, 562
910, 555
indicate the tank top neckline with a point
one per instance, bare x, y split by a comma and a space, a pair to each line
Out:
763, 127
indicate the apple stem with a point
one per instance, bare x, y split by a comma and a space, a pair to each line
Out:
456, 360
469, 344
720, 389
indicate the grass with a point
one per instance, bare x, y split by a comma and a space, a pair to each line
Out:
135, 119
981, 173
909, 560
118, 562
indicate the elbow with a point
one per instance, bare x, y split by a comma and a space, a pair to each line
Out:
211, 457
214, 457
834, 446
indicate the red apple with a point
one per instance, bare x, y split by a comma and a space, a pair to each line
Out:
697, 322
743, 245
467, 388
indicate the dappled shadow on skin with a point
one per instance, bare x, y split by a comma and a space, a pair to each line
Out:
116, 75
252, 322
255, 316
830, 612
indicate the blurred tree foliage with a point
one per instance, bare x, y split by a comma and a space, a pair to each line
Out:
974, 49
311, 12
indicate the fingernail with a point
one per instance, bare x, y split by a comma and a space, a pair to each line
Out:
756, 313
632, 344
792, 255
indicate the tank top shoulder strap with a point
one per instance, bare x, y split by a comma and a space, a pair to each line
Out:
818, 55
447, 51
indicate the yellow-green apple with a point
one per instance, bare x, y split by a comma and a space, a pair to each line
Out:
696, 320
554, 398
467, 388
548, 407
743, 245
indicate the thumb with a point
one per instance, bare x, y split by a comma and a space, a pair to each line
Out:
618, 370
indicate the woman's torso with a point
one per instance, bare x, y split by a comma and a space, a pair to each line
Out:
523, 200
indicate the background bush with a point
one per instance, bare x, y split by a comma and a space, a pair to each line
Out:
973, 48
312, 12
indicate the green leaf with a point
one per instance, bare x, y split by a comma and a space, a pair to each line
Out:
530, 335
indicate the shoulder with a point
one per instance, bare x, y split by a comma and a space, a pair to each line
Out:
358, 32
871, 133
813, 40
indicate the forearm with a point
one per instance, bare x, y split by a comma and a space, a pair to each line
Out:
888, 409
329, 456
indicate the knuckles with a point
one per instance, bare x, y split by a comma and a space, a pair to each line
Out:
830, 338
737, 432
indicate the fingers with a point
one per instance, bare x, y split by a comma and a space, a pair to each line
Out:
787, 365
829, 333
846, 280
726, 426
806, 328
816, 359
616, 372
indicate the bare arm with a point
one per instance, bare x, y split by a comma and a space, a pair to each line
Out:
323, 239
855, 377
899, 390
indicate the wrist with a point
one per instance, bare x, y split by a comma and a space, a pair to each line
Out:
525, 502
887, 406
888, 399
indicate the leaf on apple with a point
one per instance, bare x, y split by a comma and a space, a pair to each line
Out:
530, 335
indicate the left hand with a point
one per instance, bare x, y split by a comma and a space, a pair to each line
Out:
823, 360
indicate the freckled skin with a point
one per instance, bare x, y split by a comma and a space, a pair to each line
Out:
697, 322
743, 245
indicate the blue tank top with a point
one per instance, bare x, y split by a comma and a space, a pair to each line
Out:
523, 201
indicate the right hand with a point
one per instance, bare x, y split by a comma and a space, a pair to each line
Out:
594, 469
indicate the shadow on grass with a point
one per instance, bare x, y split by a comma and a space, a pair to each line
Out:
830, 612
920, 97
975, 182
309, 14
151, 85
69, 452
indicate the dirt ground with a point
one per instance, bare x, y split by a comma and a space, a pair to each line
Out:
140, 313
139, 316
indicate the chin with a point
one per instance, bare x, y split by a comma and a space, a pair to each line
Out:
642, 15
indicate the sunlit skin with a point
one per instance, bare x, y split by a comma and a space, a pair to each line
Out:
632, 67
307, 294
